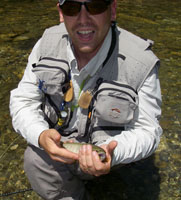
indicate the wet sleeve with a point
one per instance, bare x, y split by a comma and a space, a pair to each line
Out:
142, 136
25, 104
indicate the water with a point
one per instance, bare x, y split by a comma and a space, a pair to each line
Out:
156, 178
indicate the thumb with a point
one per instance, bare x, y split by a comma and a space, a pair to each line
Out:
55, 136
111, 146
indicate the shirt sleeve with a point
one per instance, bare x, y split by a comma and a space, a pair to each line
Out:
25, 104
142, 136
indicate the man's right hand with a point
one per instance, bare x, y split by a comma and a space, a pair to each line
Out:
49, 140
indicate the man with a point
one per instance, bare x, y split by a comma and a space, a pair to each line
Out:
88, 81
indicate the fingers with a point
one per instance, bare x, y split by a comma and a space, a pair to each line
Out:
47, 136
90, 163
111, 146
100, 167
61, 154
85, 159
55, 136
49, 140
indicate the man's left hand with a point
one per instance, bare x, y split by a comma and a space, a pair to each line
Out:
90, 162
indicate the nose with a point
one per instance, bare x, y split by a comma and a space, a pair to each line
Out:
83, 14
84, 5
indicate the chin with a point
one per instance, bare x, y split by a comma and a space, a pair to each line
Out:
87, 50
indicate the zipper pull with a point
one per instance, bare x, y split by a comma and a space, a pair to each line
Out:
69, 94
85, 99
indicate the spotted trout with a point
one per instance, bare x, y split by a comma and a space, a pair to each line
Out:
75, 147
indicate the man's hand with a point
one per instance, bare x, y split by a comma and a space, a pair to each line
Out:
49, 140
89, 160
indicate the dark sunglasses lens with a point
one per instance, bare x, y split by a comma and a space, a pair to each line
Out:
71, 8
96, 7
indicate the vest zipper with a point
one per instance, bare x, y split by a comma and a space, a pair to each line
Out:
120, 84
54, 67
100, 81
118, 97
54, 59
113, 89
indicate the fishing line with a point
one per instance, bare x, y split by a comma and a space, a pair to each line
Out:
19, 191
1, 156
16, 192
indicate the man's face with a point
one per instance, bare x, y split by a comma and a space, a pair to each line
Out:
88, 31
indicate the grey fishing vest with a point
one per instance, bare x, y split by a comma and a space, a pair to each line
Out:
115, 96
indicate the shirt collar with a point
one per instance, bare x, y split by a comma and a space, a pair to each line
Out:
95, 63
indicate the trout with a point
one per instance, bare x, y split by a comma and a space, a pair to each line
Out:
75, 147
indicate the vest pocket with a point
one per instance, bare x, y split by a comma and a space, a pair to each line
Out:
53, 77
115, 102
52, 74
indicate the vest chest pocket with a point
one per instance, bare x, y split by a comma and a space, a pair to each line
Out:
115, 102
52, 74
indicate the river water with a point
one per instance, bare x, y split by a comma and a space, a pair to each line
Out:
157, 178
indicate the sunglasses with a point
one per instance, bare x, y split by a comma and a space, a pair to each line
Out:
94, 7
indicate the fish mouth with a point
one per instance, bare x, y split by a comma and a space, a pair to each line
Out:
102, 156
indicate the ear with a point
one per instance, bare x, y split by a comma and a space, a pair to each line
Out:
60, 13
113, 10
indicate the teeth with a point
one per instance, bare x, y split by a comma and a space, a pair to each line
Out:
85, 32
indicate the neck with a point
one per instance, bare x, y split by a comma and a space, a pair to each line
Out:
83, 58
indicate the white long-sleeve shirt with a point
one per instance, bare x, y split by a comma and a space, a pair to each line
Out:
134, 143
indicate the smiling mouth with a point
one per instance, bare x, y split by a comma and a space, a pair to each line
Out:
85, 32
88, 34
